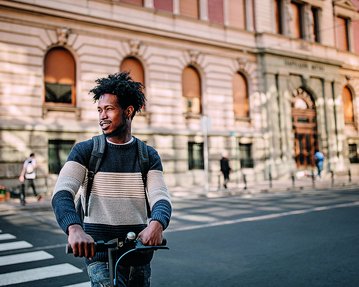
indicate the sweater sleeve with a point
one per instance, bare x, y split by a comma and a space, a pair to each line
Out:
64, 209
70, 179
159, 198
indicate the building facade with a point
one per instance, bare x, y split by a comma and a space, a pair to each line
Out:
269, 81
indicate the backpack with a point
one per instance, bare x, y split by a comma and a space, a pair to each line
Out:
94, 164
29, 167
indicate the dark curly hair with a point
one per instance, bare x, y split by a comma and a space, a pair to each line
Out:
127, 91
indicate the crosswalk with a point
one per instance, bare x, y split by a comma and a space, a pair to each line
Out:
9, 243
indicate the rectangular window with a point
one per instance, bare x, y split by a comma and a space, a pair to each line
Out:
278, 16
236, 13
189, 8
195, 156
216, 11
134, 2
342, 33
297, 20
316, 24
353, 153
164, 5
58, 151
245, 155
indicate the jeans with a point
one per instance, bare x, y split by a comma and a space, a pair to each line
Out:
127, 276
25, 186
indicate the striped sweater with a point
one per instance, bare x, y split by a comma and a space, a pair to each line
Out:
117, 202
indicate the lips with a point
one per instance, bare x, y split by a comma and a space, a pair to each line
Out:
105, 124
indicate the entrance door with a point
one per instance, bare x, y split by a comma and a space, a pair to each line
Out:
304, 128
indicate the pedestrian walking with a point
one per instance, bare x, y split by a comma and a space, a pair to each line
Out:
319, 161
117, 201
225, 169
27, 178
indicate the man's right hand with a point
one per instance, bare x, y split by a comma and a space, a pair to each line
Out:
81, 243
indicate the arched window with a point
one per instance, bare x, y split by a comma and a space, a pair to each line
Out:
348, 106
134, 66
240, 96
60, 77
189, 8
191, 90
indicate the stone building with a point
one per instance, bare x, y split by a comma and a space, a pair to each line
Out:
268, 81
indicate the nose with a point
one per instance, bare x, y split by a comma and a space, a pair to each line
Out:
102, 114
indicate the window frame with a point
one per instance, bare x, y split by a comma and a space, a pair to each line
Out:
56, 160
195, 164
60, 106
246, 161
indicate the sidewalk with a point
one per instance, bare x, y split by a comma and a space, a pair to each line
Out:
305, 183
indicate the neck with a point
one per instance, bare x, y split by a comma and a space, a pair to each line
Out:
120, 139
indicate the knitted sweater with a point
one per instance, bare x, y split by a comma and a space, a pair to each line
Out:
117, 201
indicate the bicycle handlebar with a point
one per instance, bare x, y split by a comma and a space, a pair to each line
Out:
101, 245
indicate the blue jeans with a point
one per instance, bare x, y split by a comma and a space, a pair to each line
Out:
127, 276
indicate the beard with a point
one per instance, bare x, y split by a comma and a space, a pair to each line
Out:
120, 130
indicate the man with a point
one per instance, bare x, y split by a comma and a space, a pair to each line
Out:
225, 168
27, 178
319, 161
117, 202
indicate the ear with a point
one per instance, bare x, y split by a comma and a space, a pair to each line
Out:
130, 112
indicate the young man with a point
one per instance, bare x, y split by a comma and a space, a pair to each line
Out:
117, 202
225, 168
319, 161
27, 178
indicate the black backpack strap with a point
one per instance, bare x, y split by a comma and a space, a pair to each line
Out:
98, 149
145, 166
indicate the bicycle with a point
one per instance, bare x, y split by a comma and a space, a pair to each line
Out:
130, 245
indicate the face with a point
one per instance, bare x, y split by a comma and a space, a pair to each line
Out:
112, 118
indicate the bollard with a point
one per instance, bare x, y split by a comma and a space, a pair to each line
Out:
219, 181
293, 180
270, 180
349, 175
245, 181
313, 179
332, 177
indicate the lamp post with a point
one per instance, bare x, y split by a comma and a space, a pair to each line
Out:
205, 121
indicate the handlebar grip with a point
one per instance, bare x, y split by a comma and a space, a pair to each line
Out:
99, 246
68, 249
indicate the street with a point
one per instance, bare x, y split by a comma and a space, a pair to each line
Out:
302, 238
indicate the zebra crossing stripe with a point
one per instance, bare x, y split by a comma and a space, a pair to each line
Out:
14, 245
24, 257
7, 236
18, 277
85, 284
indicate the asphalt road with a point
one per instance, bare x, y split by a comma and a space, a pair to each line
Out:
307, 238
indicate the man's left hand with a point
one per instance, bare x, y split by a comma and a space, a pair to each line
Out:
152, 234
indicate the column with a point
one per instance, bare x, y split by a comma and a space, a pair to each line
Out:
176, 7
203, 10
249, 15
285, 98
149, 3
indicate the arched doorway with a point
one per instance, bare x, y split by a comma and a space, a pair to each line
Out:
304, 119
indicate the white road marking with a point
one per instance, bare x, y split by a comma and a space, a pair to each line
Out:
85, 284
24, 257
265, 217
7, 236
37, 274
14, 245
